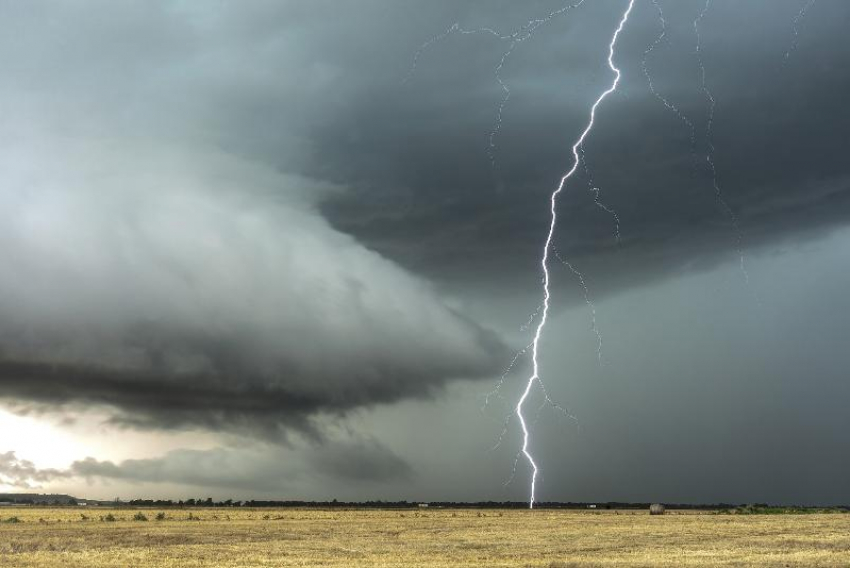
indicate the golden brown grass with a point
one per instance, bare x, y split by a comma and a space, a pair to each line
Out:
428, 538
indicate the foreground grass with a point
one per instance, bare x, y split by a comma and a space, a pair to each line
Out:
430, 538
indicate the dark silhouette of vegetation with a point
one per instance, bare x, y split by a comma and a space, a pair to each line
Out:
763, 509
203, 502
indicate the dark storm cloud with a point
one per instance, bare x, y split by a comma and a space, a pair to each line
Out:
426, 194
364, 461
181, 303
178, 180
253, 468
242, 402
153, 267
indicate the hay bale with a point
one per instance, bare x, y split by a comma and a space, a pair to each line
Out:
656, 509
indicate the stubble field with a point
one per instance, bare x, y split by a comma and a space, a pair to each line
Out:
68, 537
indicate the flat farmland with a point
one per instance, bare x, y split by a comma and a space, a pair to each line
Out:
238, 537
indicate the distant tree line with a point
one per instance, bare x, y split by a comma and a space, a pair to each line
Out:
67, 500
379, 504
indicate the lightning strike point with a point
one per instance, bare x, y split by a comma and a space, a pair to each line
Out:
535, 376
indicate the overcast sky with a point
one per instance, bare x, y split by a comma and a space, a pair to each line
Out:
290, 249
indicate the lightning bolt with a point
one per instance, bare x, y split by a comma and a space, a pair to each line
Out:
796, 28
535, 375
587, 300
664, 100
709, 155
711, 104
514, 37
525, 33
596, 201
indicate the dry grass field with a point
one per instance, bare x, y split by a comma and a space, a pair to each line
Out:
434, 537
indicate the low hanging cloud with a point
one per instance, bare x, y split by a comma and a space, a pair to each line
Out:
251, 468
188, 289
156, 258
156, 262
23, 474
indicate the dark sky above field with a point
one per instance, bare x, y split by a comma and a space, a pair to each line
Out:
266, 255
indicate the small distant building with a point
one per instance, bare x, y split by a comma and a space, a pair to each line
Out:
423, 505
591, 506
656, 509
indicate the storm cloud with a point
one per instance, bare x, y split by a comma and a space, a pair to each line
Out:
256, 468
165, 293
319, 91
778, 131
180, 283
258, 218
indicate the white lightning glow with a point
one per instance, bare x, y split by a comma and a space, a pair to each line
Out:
535, 375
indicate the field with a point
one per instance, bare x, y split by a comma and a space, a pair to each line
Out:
70, 537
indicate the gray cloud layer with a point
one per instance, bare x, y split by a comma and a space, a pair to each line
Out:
228, 216
250, 469
182, 284
152, 288
317, 90
778, 131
